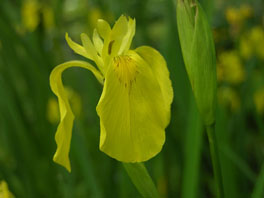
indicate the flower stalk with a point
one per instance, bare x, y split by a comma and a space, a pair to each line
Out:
199, 57
141, 179
215, 159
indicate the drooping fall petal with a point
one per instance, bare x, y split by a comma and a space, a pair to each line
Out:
132, 110
64, 130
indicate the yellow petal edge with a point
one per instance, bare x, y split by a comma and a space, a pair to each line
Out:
161, 72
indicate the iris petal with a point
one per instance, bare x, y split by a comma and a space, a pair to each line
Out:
118, 33
126, 42
77, 48
98, 43
90, 49
120, 27
104, 31
133, 116
116, 40
64, 130
103, 28
161, 72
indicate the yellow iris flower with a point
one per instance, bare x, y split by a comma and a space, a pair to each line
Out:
229, 98
230, 68
134, 107
4, 192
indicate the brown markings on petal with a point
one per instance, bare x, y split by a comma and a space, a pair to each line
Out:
110, 47
126, 70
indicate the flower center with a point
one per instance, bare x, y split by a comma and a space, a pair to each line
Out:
126, 69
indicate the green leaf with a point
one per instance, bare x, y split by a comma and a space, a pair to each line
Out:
141, 179
258, 191
199, 56
193, 150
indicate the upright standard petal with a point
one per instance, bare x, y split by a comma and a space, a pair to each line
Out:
103, 28
127, 39
118, 33
64, 130
98, 43
161, 72
132, 110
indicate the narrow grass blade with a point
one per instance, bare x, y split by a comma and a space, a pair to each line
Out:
85, 163
238, 163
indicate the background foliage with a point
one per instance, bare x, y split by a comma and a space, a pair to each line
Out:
32, 43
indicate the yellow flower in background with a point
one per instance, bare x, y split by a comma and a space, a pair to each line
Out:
48, 17
259, 100
93, 15
246, 11
233, 16
245, 47
230, 68
252, 43
236, 16
96, 13
134, 107
30, 14
256, 34
4, 192
53, 114
257, 38
229, 98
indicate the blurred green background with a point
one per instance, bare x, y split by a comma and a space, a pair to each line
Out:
32, 43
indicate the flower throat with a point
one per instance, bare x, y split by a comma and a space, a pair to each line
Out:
126, 69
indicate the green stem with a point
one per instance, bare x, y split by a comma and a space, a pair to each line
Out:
141, 179
215, 159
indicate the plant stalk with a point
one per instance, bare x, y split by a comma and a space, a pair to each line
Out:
140, 177
215, 159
